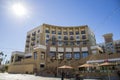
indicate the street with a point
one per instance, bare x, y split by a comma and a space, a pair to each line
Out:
6, 76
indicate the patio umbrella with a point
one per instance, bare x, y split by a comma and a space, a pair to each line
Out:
86, 65
65, 67
107, 64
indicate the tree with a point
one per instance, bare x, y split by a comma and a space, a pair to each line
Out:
1, 57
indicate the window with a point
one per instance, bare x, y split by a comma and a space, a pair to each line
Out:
77, 37
76, 55
83, 32
77, 32
37, 41
38, 31
47, 36
84, 43
60, 43
52, 55
84, 54
83, 36
53, 38
71, 43
47, 41
71, 38
65, 38
53, 42
53, 32
65, 33
42, 65
47, 31
42, 55
34, 33
59, 37
78, 42
59, 32
68, 55
65, 43
71, 33
35, 55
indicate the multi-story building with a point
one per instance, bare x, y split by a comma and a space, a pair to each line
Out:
110, 45
48, 43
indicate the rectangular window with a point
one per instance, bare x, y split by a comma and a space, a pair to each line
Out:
83, 36
71, 33
68, 55
83, 32
52, 55
65, 33
53, 32
78, 42
84, 54
35, 55
42, 55
65, 38
42, 65
71, 38
65, 42
76, 55
77, 37
47, 36
59, 43
71, 43
47, 31
77, 32
59, 32
59, 37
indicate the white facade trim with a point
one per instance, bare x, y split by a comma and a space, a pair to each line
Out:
76, 49
60, 49
52, 48
102, 60
40, 46
68, 49
84, 49
17, 52
28, 54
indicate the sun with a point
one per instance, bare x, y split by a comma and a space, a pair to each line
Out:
19, 9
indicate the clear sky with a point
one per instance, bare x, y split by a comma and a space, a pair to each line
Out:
102, 16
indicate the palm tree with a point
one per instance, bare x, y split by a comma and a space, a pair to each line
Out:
1, 54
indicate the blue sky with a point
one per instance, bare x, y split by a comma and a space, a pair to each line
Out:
102, 16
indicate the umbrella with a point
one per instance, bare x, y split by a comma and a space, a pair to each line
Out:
65, 67
86, 65
107, 64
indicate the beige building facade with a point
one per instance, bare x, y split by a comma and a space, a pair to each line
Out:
48, 44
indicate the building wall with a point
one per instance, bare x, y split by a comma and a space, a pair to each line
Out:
50, 42
22, 68
77, 35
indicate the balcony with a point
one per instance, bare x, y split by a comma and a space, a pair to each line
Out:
71, 33
27, 40
27, 45
33, 34
71, 38
32, 44
65, 33
28, 36
47, 31
33, 38
65, 38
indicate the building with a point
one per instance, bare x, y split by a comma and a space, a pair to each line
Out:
49, 44
110, 45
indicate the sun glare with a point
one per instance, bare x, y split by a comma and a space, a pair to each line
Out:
19, 9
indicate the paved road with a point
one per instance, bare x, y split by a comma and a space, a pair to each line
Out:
6, 76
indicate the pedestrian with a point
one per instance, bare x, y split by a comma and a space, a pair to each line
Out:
63, 74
